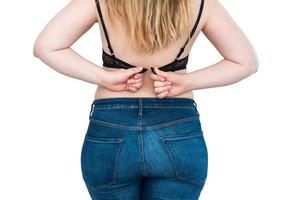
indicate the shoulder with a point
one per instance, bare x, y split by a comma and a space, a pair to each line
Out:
216, 14
85, 6
207, 8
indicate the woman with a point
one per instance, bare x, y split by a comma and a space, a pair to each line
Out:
145, 139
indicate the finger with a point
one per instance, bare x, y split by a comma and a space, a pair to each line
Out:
133, 89
121, 87
126, 87
156, 77
163, 94
162, 89
137, 85
133, 70
138, 75
161, 83
129, 81
160, 72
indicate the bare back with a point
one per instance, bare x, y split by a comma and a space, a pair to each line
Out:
124, 51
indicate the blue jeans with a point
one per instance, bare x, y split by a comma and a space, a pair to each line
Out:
144, 148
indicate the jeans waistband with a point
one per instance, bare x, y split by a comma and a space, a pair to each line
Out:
144, 102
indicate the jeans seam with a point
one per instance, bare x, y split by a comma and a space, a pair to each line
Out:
116, 161
191, 181
172, 122
174, 162
100, 187
103, 140
151, 127
128, 107
183, 136
168, 106
114, 171
115, 107
171, 158
112, 125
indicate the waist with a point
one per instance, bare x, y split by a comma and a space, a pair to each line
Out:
136, 102
102, 94
147, 90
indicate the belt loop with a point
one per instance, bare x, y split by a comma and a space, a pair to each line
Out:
92, 110
194, 103
140, 106
195, 107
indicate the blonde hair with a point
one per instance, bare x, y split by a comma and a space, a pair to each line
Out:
152, 24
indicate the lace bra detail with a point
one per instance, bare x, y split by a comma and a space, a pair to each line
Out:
113, 62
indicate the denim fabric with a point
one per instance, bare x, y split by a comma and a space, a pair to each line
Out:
144, 148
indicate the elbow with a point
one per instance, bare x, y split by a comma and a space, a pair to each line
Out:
39, 50
254, 65
36, 50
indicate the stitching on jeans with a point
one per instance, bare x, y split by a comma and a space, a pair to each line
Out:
191, 181
196, 117
166, 138
100, 187
103, 140
114, 175
115, 107
116, 161
112, 125
151, 127
128, 107
171, 158
182, 137
168, 107
109, 124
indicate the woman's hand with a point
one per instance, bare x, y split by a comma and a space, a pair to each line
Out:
168, 84
122, 79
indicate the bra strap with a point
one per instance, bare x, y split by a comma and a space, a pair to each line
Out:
104, 27
193, 29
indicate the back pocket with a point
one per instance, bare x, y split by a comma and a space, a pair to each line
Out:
99, 157
188, 153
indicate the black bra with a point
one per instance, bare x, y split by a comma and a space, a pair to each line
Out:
113, 62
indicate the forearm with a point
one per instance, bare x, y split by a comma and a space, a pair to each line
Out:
70, 63
224, 72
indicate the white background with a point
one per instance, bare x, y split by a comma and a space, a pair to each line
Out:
44, 114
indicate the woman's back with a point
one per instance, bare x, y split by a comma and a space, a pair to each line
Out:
124, 51
239, 57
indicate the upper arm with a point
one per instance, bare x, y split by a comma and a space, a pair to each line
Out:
69, 24
227, 37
